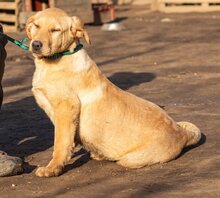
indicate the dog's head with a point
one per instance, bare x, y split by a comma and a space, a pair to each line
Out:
52, 31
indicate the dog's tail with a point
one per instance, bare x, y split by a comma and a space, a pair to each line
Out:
192, 132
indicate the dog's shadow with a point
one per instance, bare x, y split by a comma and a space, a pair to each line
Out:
188, 148
126, 80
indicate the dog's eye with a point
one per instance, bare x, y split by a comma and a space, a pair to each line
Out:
36, 26
55, 30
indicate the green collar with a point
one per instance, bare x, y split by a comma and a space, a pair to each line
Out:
52, 57
60, 54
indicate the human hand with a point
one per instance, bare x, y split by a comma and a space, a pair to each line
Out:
3, 39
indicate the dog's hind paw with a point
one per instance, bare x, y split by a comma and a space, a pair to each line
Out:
48, 171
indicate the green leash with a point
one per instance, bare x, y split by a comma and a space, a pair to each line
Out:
20, 43
17, 42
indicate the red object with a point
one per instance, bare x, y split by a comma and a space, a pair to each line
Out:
102, 7
37, 5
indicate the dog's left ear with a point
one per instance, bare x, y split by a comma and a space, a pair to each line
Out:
78, 30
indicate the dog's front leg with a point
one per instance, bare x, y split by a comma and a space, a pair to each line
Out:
66, 115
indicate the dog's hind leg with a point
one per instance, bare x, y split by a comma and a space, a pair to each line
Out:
147, 156
137, 159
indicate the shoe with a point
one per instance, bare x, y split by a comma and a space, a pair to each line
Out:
10, 165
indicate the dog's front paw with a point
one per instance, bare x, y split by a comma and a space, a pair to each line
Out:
48, 171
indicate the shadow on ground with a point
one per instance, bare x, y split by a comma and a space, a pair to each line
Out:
126, 80
188, 148
25, 129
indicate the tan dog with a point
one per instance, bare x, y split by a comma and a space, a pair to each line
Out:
111, 123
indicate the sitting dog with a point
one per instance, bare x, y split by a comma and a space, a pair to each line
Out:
80, 101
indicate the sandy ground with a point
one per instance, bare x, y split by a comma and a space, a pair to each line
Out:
171, 60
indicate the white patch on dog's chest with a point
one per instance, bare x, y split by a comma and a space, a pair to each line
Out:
38, 75
81, 61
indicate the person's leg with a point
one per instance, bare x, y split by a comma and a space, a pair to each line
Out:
9, 165
3, 54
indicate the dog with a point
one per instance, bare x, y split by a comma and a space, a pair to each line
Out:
81, 102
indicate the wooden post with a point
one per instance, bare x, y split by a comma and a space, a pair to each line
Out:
112, 12
44, 5
28, 5
96, 14
51, 3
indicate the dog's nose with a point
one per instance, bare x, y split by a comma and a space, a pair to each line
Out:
37, 45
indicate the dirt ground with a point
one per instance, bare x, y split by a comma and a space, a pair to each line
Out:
170, 59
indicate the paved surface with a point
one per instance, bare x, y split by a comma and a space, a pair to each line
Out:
172, 60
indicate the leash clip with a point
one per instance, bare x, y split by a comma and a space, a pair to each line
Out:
21, 43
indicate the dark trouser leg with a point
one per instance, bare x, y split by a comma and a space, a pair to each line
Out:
9, 165
1, 96
3, 55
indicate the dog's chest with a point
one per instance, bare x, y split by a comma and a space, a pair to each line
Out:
39, 76
50, 78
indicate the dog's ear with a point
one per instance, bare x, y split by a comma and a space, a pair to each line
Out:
29, 25
77, 29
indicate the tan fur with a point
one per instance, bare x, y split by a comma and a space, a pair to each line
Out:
78, 98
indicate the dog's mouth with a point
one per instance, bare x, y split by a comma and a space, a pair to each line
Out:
38, 49
37, 54
41, 53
